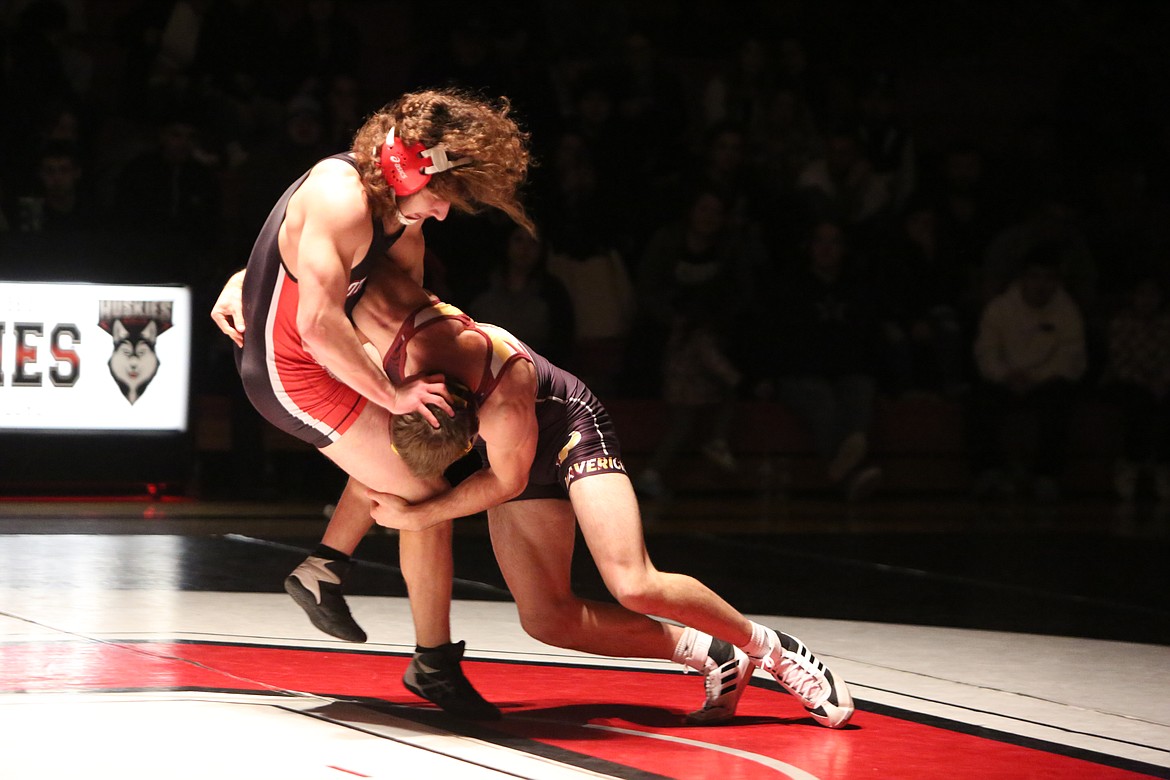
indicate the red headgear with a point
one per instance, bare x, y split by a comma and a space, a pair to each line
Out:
405, 167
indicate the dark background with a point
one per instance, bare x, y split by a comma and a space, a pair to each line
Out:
1059, 98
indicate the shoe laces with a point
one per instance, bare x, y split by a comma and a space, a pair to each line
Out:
713, 684
795, 676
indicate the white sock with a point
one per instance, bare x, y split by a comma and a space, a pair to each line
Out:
691, 650
762, 641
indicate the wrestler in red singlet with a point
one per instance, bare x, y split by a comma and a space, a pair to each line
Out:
286, 385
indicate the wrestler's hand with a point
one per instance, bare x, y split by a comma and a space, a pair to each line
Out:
228, 311
413, 396
394, 511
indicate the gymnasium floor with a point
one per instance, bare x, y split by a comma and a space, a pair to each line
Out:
145, 639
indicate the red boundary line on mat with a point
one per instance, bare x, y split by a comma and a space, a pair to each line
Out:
460, 726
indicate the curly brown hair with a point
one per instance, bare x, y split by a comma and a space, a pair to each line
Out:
468, 126
428, 451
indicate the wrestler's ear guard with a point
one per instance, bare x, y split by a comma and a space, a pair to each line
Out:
409, 168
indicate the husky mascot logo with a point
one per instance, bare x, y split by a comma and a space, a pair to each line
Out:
135, 327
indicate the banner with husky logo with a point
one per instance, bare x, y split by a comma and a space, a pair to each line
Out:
77, 357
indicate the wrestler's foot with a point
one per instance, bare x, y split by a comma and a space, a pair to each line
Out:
315, 586
435, 675
798, 671
725, 682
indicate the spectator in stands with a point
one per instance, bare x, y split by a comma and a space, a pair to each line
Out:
921, 289
728, 171
788, 140
40, 63
57, 221
266, 173
1030, 353
1137, 380
1052, 221
459, 51
171, 186
842, 184
318, 46
799, 72
593, 126
526, 300
885, 138
66, 205
966, 220
651, 106
823, 360
699, 383
238, 92
741, 93
162, 43
168, 198
344, 109
701, 250
1121, 225
584, 256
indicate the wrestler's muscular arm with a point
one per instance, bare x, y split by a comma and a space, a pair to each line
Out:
327, 226
406, 254
508, 426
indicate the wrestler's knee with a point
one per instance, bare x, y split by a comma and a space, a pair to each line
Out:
556, 622
638, 591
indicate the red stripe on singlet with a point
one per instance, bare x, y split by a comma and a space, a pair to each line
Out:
303, 386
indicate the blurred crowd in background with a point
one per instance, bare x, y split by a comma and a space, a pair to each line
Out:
818, 202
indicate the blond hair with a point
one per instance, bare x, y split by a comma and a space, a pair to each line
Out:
428, 451
470, 127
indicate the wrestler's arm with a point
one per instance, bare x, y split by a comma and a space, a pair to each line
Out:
228, 312
335, 225
508, 426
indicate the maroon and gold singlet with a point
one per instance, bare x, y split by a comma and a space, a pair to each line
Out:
577, 438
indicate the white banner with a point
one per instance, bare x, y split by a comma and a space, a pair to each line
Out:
92, 357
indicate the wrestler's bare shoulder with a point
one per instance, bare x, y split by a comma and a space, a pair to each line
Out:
335, 189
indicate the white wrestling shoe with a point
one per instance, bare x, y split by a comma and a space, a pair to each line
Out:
724, 684
798, 671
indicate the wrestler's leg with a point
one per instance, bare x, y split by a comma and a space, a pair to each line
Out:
425, 557
428, 568
607, 509
364, 452
350, 520
611, 524
317, 584
533, 541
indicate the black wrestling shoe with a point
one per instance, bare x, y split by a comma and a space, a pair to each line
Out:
436, 676
315, 586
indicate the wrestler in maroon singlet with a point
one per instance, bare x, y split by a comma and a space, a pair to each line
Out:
576, 436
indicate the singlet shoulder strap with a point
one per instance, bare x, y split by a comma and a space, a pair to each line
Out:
423, 315
504, 349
